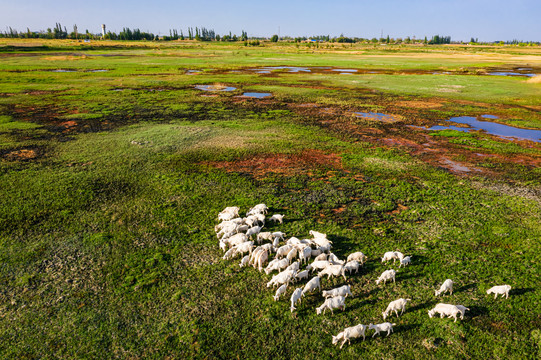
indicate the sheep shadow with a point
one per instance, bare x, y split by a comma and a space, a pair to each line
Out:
405, 328
418, 260
521, 291
477, 311
409, 276
465, 288
422, 306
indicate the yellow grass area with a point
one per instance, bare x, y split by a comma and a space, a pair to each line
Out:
534, 80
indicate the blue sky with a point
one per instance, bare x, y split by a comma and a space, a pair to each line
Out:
488, 20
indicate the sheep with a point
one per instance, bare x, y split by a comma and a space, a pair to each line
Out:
281, 290
281, 278
502, 289
294, 266
396, 305
445, 310
277, 217
231, 210
386, 275
341, 291
292, 254
236, 239
335, 260
244, 261
245, 247
295, 298
359, 256
230, 254
264, 236
332, 303
226, 216
321, 257
391, 255
405, 261
258, 209
302, 275
316, 252
318, 265
223, 246
316, 234
462, 310
253, 231
278, 234
283, 251
305, 254
382, 327
312, 285
352, 265
446, 286
276, 242
333, 270
228, 228
278, 265
350, 333
293, 241
261, 259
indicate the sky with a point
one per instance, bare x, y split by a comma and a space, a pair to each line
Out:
487, 20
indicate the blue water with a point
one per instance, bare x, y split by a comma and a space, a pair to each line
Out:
214, 88
292, 69
257, 95
510, 73
500, 130
345, 70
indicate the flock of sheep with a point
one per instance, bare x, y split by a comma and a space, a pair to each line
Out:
235, 236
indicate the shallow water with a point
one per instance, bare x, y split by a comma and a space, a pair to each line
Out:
97, 70
345, 70
215, 88
510, 73
500, 130
62, 70
292, 69
256, 95
375, 116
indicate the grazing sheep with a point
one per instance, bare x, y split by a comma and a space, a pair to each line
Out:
264, 236
283, 251
446, 286
333, 270
321, 257
405, 261
245, 247
386, 275
332, 303
230, 254
281, 278
292, 254
223, 246
316, 234
281, 290
278, 265
341, 291
293, 241
312, 285
390, 255
278, 234
462, 310
396, 305
350, 333
295, 266
359, 256
295, 298
335, 260
244, 261
236, 239
318, 265
302, 275
276, 242
352, 265
277, 217
258, 209
502, 289
261, 259
445, 310
382, 327
253, 231
316, 252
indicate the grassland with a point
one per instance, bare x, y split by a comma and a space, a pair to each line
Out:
112, 180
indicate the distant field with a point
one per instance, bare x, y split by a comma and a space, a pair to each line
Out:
114, 168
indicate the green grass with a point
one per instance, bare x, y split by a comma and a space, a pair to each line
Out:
106, 237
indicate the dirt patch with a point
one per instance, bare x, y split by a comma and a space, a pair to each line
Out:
287, 164
20, 154
534, 80
419, 104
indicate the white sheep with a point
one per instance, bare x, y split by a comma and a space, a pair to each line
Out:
292, 254
261, 259
258, 209
321, 257
341, 291
293, 241
276, 242
302, 275
445, 310
253, 231
312, 285
276, 264
283, 251
396, 305
387, 326
333, 270
391, 255
350, 333
277, 217
316, 234
278, 234
294, 266
405, 261
332, 303
502, 289
462, 310
386, 275
295, 298
230, 254
305, 254
236, 239
318, 265
244, 261
264, 236
281, 278
446, 286
352, 265
359, 256
335, 260
245, 247
281, 290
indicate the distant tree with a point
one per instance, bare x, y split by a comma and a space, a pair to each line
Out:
274, 38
